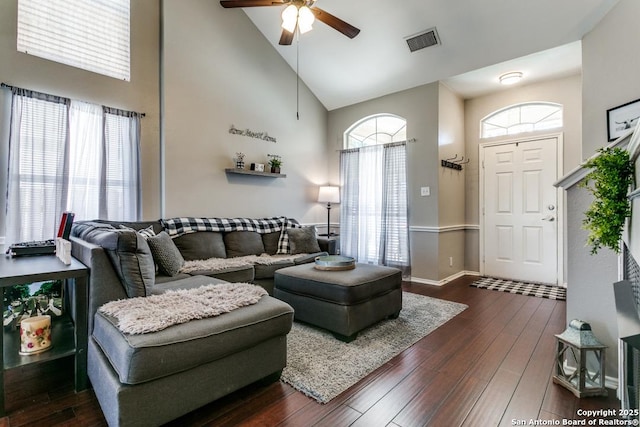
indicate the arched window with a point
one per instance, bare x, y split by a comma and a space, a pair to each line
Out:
522, 118
376, 130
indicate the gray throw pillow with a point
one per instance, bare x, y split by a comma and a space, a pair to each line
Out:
165, 254
303, 240
243, 243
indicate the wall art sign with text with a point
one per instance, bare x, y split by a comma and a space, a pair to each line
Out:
264, 136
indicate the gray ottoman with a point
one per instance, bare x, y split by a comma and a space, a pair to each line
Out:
343, 302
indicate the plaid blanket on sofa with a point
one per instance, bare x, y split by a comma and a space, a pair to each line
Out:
178, 226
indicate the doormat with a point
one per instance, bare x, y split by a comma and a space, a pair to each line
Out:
529, 289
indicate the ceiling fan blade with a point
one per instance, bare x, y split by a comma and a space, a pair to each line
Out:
250, 3
334, 22
286, 38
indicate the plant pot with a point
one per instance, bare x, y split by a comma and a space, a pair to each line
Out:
239, 165
275, 170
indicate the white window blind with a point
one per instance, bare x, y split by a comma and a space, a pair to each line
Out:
89, 34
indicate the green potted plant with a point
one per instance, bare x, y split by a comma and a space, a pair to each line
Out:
275, 162
609, 179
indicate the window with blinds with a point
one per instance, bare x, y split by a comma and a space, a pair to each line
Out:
93, 35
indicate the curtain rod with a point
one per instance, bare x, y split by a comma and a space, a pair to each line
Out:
388, 144
15, 87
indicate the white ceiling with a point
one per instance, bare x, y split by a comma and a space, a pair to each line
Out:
481, 39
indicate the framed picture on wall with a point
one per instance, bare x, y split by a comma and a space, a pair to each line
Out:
622, 118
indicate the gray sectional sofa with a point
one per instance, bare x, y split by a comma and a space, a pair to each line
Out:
152, 378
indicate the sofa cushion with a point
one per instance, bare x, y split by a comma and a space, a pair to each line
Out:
243, 243
128, 252
270, 242
265, 271
232, 274
165, 254
201, 245
141, 358
303, 240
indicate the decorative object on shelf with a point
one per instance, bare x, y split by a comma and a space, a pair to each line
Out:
275, 161
258, 167
454, 163
609, 180
30, 300
578, 351
251, 134
622, 118
329, 194
35, 335
63, 250
240, 160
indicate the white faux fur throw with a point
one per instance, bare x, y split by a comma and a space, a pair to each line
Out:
216, 264
141, 315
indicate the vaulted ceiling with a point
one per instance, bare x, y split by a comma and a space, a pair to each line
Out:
479, 41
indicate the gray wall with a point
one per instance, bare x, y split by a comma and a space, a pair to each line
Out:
610, 71
565, 91
435, 119
140, 94
610, 78
220, 71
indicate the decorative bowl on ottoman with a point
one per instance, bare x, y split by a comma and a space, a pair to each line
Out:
335, 262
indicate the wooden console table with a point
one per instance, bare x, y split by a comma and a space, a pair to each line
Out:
69, 339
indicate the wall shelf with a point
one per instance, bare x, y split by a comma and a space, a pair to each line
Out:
255, 173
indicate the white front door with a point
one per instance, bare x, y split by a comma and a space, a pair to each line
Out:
520, 210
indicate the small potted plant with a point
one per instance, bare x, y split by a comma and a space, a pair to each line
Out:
275, 162
240, 160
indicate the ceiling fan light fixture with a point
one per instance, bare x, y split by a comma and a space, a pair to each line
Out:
510, 78
305, 19
290, 18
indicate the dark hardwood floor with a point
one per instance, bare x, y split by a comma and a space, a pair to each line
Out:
489, 366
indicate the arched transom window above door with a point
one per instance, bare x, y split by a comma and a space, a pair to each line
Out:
520, 118
376, 130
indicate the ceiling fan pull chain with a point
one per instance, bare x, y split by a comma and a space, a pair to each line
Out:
297, 75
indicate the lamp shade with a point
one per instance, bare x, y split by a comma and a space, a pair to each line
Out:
329, 194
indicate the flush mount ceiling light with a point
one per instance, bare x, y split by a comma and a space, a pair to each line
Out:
510, 78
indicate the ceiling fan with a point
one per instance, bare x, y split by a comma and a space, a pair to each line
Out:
299, 14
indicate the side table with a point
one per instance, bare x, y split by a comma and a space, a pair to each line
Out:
329, 244
69, 339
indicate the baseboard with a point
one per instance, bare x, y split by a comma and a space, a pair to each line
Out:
445, 280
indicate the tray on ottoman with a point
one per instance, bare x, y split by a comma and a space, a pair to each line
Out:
334, 263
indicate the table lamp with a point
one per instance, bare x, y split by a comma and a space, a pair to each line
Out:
328, 194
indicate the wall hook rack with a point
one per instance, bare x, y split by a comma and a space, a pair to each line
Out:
454, 163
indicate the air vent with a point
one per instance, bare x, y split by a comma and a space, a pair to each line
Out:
427, 38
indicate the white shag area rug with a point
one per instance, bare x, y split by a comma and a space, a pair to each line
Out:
322, 367
154, 313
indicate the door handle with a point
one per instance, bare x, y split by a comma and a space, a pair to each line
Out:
549, 218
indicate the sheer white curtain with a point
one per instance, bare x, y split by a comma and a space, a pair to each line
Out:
38, 140
69, 156
374, 226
